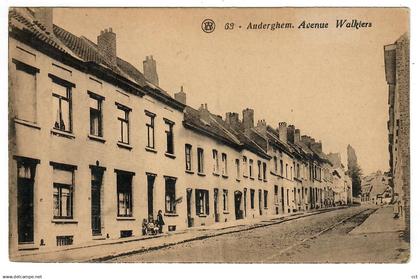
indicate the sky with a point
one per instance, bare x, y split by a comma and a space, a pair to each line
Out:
330, 83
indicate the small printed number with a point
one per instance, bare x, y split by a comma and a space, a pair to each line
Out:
229, 26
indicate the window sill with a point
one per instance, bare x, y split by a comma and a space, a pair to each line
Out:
124, 145
216, 174
188, 171
125, 218
237, 179
170, 155
259, 179
225, 212
252, 178
168, 214
202, 215
201, 174
27, 246
225, 176
265, 180
28, 124
62, 134
150, 149
64, 221
245, 176
96, 138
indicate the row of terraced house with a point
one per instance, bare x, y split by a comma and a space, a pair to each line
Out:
96, 147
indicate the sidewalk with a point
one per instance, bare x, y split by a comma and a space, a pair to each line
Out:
94, 251
381, 221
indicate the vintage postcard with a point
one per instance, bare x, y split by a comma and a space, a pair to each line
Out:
209, 135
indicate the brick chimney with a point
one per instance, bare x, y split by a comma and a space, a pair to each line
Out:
107, 45
149, 70
232, 119
291, 133
297, 136
283, 131
44, 16
181, 96
204, 112
248, 118
317, 146
307, 140
262, 127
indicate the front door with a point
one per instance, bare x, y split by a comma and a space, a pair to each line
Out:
96, 186
189, 204
238, 200
282, 200
25, 202
216, 205
245, 190
150, 189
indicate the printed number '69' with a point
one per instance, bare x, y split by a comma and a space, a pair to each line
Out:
229, 26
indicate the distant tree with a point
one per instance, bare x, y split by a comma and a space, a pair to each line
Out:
355, 174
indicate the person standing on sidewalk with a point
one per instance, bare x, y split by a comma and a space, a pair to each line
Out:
397, 209
159, 221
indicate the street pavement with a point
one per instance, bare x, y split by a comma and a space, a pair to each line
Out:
326, 238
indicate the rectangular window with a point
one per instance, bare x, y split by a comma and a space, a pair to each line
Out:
281, 167
224, 164
238, 168
150, 126
169, 131
251, 168
215, 161
245, 166
63, 187
276, 194
188, 161
61, 107
95, 107
123, 119
200, 159
287, 170
252, 198
124, 193
225, 200
265, 199
259, 169
24, 92
298, 171
202, 202
264, 171
275, 164
170, 195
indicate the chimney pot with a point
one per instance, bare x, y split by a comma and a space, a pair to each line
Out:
45, 17
248, 118
149, 70
283, 131
107, 45
181, 96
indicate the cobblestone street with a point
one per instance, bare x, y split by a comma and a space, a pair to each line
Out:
319, 238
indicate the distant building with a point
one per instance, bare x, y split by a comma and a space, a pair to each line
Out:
376, 189
342, 186
397, 72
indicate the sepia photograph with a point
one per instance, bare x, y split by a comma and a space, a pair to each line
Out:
208, 135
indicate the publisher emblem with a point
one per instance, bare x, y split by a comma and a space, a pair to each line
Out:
208, 25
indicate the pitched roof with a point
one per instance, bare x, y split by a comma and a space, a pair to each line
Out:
78, 47
216, 127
